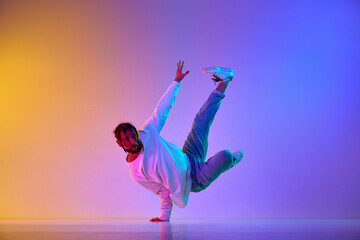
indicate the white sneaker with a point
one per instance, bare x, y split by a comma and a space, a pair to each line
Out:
219, 73
238, 155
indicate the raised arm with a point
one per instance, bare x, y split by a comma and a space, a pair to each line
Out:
165, 103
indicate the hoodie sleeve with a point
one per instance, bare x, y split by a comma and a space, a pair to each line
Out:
164, 195
162, 109
165, 203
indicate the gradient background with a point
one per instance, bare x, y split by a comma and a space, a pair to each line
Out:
70, 71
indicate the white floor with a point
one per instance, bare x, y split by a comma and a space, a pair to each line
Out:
203, 229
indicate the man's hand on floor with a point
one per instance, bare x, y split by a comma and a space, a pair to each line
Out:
157, 219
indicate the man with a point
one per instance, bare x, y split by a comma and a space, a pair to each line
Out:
162, 167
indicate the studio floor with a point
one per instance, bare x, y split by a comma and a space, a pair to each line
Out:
203, 229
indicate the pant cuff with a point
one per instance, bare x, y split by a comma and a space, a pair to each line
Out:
221, 94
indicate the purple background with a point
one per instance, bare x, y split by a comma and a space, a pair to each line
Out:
293, 106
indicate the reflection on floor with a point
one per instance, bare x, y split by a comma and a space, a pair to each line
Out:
203, 229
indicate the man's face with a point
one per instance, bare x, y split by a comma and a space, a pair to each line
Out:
129, 141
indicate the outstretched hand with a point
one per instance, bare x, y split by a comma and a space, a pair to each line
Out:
179, 74
157, 219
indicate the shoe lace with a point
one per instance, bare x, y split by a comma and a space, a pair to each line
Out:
216, 79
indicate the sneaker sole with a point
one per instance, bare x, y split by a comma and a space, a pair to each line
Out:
205, 70
218, 69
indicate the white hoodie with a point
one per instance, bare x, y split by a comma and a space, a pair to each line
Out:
162, 167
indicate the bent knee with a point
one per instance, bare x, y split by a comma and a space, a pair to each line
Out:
227, 155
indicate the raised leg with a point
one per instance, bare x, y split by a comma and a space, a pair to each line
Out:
196, 143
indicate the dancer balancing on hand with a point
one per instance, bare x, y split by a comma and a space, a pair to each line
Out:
165, 169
